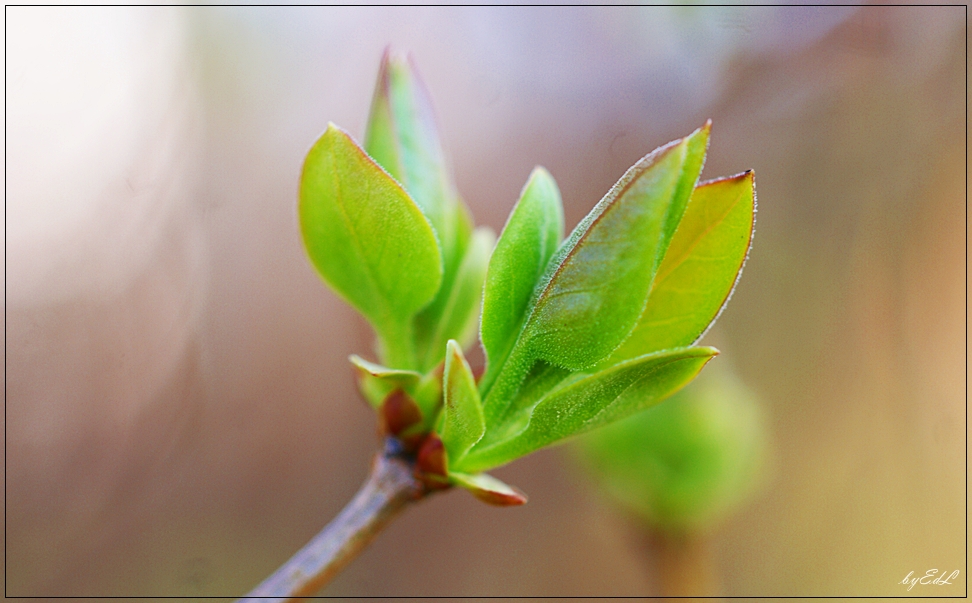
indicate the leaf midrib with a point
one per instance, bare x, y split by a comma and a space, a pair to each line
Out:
369, 269
560, 390
677, 262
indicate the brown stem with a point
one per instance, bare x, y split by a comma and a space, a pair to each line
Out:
686, 566
389, 487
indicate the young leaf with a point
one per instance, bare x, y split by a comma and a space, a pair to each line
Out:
368, 239
378, 381
403, 138
598, 282
463, 424
457, 318
489, 489
582, 404
595, 286
530, 237
700, 269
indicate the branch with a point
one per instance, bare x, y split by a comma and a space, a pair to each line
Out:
686, 566
389, 487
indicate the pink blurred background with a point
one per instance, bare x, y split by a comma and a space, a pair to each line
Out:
180, 413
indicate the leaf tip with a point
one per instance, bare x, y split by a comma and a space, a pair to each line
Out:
702, 132
490, 490
513, 498
539, 172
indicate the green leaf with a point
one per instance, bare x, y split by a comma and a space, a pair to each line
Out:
529, 239
596, 285
600, 278
700, 269
403, 138
463, 423
457, 317
489, 489
368, 239
587, 402
378, 381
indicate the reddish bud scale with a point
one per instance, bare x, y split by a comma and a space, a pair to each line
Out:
430, 466
399, 413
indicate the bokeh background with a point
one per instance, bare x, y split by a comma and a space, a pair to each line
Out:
180, 414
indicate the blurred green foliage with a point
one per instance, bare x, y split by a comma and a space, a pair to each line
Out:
687, 463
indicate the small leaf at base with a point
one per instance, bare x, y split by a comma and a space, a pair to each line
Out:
378, 381
489, 489
463, 424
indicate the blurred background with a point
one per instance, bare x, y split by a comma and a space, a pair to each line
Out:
180, 413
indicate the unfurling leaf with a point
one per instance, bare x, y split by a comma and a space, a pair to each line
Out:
700, 269
529, 239
463, 423
369, 240
597, 284
489, 489
595, 287
587, 402
403, 138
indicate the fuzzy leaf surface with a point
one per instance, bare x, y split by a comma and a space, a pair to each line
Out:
529, 239
700, 269
368, 239
599, 281
595, 286
591, 401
